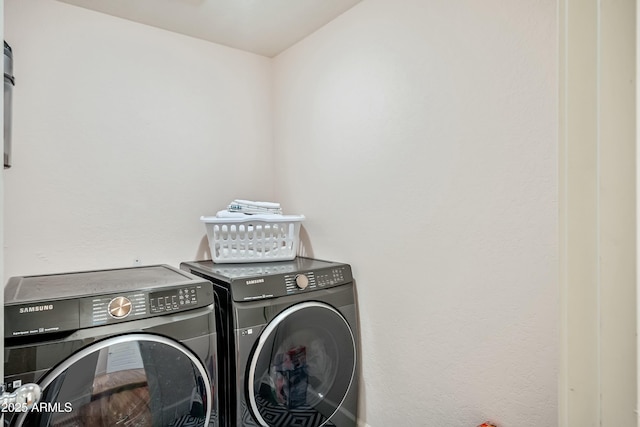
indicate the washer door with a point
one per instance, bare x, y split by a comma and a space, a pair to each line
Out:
128, 380
302, 367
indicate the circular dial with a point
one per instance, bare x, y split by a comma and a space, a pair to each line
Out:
119, 307
302, 281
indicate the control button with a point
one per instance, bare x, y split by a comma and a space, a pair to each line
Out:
302, 281
119, 307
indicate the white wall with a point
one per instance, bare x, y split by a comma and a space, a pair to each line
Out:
420, 141
124, 135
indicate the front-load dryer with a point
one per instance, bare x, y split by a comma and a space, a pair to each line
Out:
122, 347
288, 342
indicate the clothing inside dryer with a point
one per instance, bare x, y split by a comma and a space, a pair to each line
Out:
301, 369
131, 383
304, 368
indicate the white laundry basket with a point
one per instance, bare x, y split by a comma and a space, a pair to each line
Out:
256, 238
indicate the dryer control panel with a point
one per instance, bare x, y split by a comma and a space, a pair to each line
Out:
289, 284
312, 279
263, 280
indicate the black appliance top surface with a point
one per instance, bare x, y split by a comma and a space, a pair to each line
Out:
228, 272
265, 280
88, 283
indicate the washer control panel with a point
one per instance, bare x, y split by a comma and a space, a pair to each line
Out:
108, 309
172, 300
63, 303
119, 307
105, 309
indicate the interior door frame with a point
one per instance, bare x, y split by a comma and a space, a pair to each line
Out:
597, 213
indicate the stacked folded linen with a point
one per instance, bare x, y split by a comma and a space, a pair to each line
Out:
251, 207
226, 214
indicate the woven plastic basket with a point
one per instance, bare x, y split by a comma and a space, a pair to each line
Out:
256, 238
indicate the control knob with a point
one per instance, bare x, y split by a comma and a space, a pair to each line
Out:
119, 307
302, 281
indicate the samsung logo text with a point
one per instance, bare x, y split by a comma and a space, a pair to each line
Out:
254, 281
36, 308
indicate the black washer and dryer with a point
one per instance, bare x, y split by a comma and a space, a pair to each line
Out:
122, 347
288, 340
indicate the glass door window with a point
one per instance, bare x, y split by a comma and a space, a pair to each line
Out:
302, 367
130, 380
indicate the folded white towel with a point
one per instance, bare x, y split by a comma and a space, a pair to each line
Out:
235, 214
267, 205
251, 207
227, 214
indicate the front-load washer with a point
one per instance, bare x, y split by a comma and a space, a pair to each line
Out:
121, 347
287, 342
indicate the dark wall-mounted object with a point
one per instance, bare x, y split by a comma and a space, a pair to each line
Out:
9, 83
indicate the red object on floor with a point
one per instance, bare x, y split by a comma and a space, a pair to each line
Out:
487, 425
